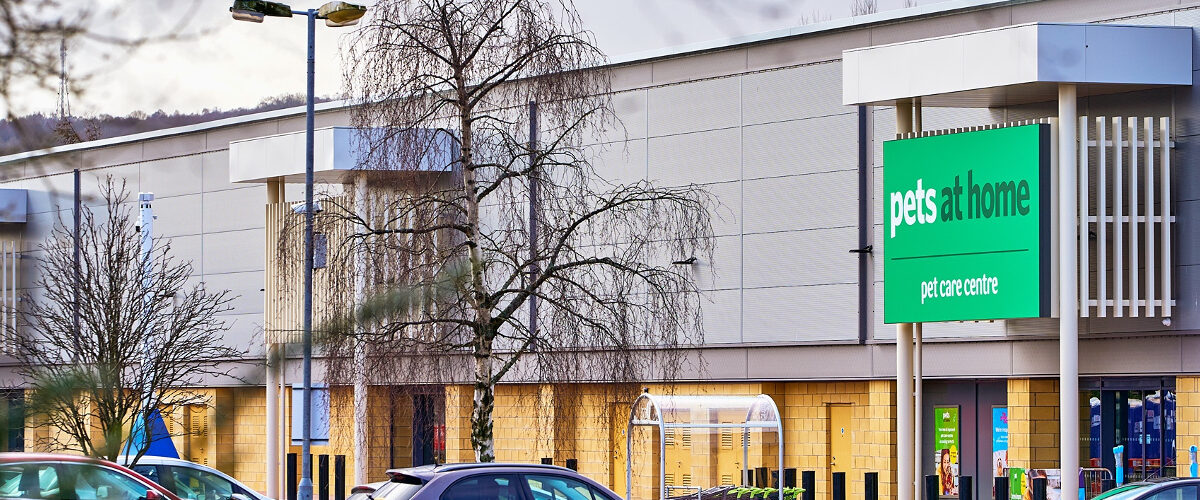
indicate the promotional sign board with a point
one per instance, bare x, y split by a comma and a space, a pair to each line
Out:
966, 232
999, 440
946, 447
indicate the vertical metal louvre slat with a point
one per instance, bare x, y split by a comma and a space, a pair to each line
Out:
1165, 199
1084, 268
1134, 293
1101, 218
1148, 123
1118, 226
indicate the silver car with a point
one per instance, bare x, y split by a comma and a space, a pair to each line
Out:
192, 481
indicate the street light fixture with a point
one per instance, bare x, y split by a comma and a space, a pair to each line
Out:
335, 14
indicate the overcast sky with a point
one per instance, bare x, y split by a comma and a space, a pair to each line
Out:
228, 64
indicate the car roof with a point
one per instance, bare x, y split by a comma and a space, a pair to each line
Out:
428, 472
16, 458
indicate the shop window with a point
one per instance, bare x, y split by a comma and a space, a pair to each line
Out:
12, 428
1138, 414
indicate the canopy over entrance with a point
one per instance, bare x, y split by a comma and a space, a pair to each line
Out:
1018, 64
705, 412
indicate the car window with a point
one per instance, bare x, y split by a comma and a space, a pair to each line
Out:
149, 471
548, 487
484, 487
29, 481
393, 491
1176, 493
93, 482
195, 484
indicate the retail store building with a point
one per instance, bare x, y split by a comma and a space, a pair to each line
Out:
794, 296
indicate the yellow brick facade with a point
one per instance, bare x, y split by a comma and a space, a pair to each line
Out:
1033, 423
1187, 418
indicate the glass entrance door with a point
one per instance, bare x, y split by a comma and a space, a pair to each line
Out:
1139, 414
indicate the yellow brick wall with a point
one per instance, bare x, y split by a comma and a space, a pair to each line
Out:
593, 433
241, 435
1033, 423
1187, 419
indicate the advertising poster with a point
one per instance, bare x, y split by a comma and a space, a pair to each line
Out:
1016, 483
946, 446
999, 440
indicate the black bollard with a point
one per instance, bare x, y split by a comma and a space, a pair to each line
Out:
839, 486
808, 481
966, 488
932, 491
1038, 488
789, 478
871, 486
1000, 487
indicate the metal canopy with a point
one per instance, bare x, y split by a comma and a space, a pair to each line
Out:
1018, 64
336, 156
711, 412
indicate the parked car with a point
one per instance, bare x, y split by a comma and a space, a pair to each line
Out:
1166, 488
490, 481
364, 491
192, 481
73, 477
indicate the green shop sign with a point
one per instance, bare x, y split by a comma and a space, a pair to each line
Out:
967, 226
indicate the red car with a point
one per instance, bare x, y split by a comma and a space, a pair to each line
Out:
72, 477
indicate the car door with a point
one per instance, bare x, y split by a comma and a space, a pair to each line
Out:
84, 481
559, 487
485, 487
29, 480
198, 484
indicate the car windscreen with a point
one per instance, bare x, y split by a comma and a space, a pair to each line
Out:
396, 491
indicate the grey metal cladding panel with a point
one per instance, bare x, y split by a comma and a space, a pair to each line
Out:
696, 158
877, 196
173, 176
216, 171
1030, 111
944, 118
724, 271
620, 162
1190, 18
630, 109
1187, 109
963, 329
235, 209
1186, 171
1032, 326
244, 289
815, 257
801, 202
726, 210
1187, 305
792, 93
180, 215
234, 251
1146, 103
883, 126
722, 312
800, 314
692, 106
1188, 231
189, 249
805, 146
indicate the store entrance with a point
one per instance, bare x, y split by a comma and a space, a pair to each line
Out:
1138, 413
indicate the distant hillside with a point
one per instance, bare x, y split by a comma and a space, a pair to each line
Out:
38, 131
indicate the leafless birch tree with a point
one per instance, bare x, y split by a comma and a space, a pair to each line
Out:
474, 219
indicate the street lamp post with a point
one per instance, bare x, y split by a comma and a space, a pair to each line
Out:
335, 14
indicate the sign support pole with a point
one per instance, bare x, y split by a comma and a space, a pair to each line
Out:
905, 484
918, 361
1068, 308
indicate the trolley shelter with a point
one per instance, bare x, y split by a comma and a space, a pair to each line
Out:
749, 413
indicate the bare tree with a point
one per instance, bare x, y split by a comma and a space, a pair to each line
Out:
466, 208
863, 7
146, 333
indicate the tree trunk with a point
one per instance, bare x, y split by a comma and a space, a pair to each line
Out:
482, 440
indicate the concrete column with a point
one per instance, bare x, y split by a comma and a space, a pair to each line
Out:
361, 389
274, 359
1068, 289
918, 405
